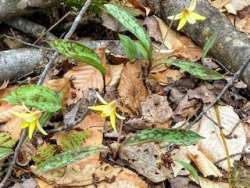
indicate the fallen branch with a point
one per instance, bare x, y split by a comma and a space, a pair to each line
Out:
232, 47
14, 8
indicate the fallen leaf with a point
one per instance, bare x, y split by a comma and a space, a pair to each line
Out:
167, 76
206, 167
131, 88
212, 146
156, 109
115, 71
181, 45
153, 28
202, 93
6, 112
12, 127
206, 183
235, 5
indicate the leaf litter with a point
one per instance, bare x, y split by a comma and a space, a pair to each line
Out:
148, 145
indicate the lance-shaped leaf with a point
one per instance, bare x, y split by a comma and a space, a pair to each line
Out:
128, 46
68, 157
34, 96
131, 24
171, 136
196, 70
208, 45
79, 52
190, 168
5, 152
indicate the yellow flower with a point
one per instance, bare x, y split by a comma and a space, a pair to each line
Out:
187, 15
30, 120
107, 110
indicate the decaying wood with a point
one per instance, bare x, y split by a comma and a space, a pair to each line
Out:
13, 8
17, 63
232, 47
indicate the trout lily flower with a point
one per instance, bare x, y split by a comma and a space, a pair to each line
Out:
30, 120
107, 110
187, 15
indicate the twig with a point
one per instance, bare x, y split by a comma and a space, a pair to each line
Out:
230, 83
40, 81
231, 156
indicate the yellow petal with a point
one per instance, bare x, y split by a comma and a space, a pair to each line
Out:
176, 17
197, 16
97, 107
24, 125
102, 100
191, 20
192, 5
31, 129
112, 121
21, 115
119, 116
40, 128
182, 23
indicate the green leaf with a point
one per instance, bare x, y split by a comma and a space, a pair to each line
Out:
79, 52
208, 45
44, 153
128, 46
5, 152
68, 157
196, 70
131, 24
72, 139
35, 96
190, 168
141, 51
171, 136
6, 144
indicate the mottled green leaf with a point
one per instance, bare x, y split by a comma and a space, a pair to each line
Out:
208, 45
128, 46
141, 51
79, 52
72, 139
196, 70
34, 96
6, 144
171, 136
5, 152
190, 168
131, 24
44, 153
68, 157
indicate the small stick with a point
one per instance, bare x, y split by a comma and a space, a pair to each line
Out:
40, 81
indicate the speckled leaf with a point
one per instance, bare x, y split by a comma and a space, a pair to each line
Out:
171, 136
208, 45
131, 24
79, 52
34, 96
128, 46
196, 70
189, 168
65, 158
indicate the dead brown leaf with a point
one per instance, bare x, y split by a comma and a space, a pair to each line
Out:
131, 88
6, 112
12, 127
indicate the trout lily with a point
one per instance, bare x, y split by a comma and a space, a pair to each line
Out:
187, 15
107, 110
30, 120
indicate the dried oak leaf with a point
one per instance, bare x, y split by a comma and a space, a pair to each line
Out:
131, 88
6, 112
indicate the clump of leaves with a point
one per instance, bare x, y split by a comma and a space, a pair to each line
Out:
95, 7
35, 96
44, 153
72, 139
133, 49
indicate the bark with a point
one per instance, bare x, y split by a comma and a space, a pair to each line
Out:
30, 28
17, 63
14, 8
232, 47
